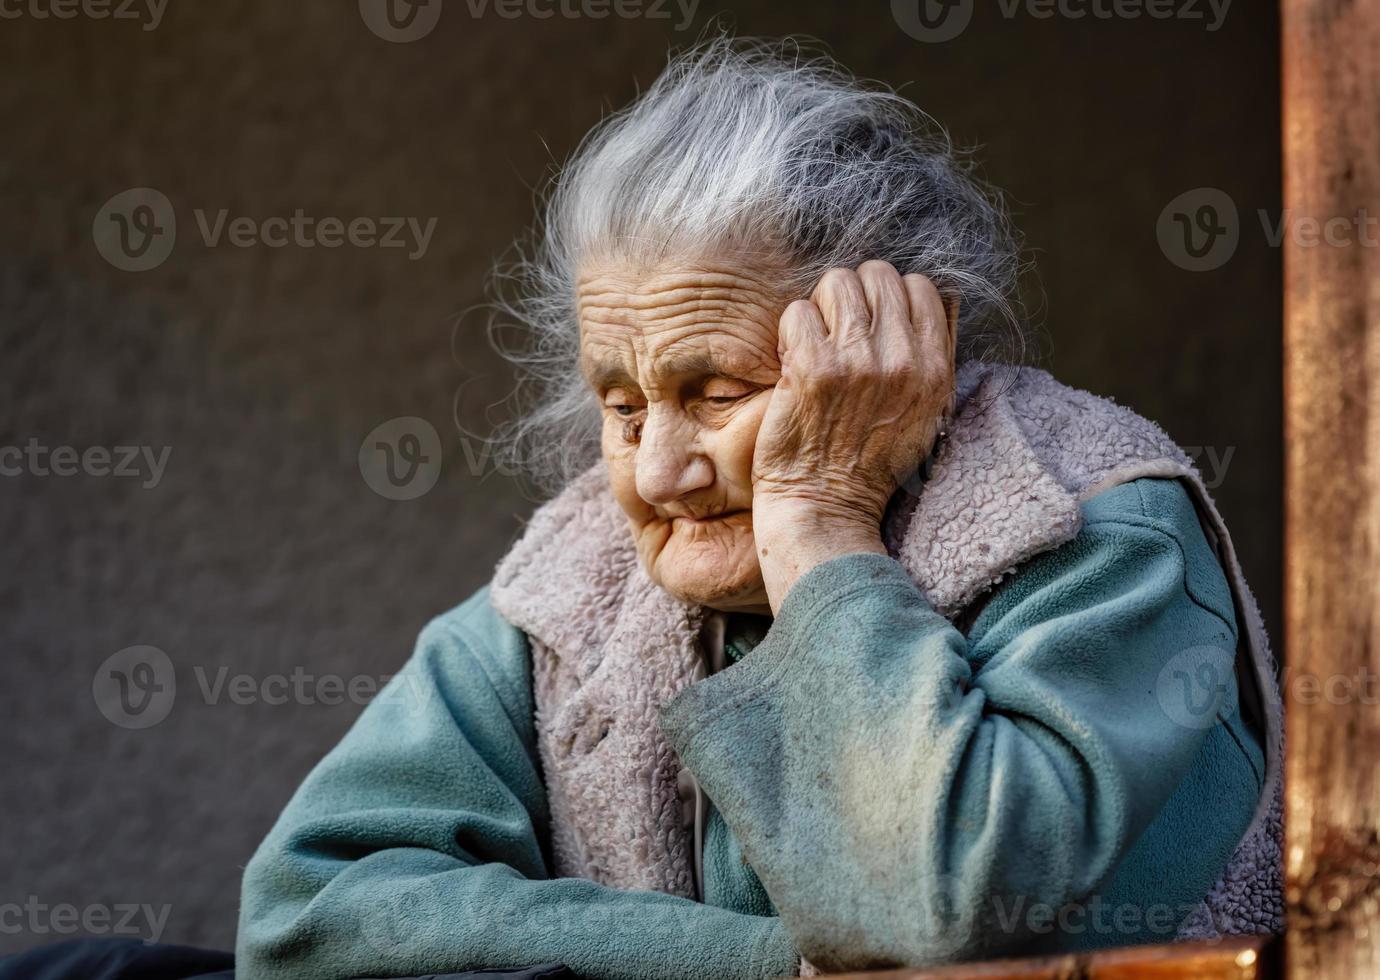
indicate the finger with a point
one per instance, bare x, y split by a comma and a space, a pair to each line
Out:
934, 343
801, 329
886, 298
840, 297
952, 308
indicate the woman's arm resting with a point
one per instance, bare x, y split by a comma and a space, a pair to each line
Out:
904, 796
414, 847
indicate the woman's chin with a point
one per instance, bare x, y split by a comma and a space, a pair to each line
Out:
711, 574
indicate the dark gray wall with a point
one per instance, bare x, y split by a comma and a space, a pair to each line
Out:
262, 550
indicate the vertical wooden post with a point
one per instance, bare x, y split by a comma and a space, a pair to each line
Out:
1331, 69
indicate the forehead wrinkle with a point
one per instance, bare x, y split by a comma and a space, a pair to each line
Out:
676, 292
689, 312
639, 327
687, 300
741, 280
606, 360
709, 351
708, 315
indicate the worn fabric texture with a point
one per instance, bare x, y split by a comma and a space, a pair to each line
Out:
912, 793
419, 845
610, 649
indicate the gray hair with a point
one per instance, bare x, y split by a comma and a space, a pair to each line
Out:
746, 148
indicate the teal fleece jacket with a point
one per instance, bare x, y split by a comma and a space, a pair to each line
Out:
887, 789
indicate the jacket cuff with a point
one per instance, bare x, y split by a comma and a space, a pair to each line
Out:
801, 620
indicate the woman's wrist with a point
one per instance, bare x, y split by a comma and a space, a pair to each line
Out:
793, 540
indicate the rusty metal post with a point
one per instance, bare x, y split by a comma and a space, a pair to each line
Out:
1331, 72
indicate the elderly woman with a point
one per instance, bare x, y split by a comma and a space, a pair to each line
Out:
839, 655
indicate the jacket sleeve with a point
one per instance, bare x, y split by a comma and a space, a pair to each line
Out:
900, 788
415, 847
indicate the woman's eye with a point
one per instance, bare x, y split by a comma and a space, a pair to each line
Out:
622, 402
720, 394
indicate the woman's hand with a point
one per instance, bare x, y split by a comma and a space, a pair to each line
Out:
867, 375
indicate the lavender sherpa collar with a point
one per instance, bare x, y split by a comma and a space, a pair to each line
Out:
609, 647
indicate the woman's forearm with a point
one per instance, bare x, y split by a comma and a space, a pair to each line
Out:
893, 797
414, 847
409, 912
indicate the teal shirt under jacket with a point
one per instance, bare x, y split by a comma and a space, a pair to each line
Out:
881, 781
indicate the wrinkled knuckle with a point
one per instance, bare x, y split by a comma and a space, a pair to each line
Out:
837, 276
801, 311
836, 281
925, 291
877, 269
851, 309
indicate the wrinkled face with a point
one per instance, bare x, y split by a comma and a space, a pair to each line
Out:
683, 360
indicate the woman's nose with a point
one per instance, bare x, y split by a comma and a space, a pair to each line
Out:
670, 463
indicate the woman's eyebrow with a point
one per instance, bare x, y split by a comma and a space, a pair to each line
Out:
604, 373
732, 359
687, 362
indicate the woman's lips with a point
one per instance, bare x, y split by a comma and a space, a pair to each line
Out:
710, 519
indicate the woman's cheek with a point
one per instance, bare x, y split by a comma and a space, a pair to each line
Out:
739, 440
620, 457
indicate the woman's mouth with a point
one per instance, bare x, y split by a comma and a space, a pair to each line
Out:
709, 518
